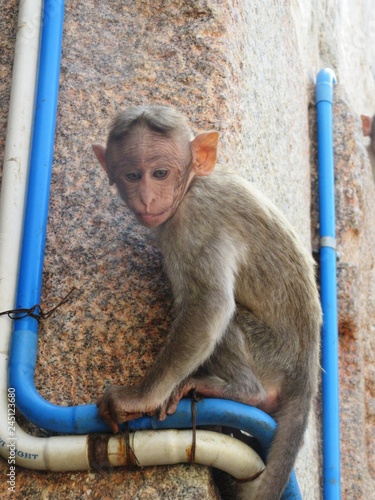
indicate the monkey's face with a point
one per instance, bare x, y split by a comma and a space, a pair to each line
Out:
152, 173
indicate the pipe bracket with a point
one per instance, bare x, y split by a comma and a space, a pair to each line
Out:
328, 241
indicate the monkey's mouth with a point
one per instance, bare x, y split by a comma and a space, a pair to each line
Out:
153, 218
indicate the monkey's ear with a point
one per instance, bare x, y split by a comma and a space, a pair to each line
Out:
366, 125
204, 149
99, 151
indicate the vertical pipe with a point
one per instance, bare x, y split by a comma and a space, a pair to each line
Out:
330, 369
37, 200
16, 156
34, 236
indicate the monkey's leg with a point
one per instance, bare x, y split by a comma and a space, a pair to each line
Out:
227, 374
208, 386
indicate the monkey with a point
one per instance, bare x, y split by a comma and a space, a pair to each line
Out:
247, 313
368, 129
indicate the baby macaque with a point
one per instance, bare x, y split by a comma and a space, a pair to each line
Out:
247, 314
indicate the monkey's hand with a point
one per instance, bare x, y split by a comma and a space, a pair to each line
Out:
120, 404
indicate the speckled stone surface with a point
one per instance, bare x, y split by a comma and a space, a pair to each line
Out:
229, 66
235, 66
355, 194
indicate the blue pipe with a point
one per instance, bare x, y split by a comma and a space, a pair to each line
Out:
84, 419
36, 208
330, 370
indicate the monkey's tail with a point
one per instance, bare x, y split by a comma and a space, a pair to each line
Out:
292, 422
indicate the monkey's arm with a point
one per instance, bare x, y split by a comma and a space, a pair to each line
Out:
203, 287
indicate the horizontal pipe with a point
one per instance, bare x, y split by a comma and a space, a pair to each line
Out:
84, 419
175, 446
70, 452
64, 453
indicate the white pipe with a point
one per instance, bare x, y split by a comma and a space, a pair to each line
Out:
12, 197
61, 453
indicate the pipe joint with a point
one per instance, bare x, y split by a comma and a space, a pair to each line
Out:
324, 86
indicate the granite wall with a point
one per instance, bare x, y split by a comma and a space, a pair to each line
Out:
245, 68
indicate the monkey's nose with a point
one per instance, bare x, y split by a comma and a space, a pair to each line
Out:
147, 206
146, 195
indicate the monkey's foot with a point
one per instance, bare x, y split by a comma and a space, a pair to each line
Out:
213, 387
198, 386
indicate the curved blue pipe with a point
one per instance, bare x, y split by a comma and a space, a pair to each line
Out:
330, 370
84, 419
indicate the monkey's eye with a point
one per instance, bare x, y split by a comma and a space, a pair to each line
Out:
160, 173
133, 176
